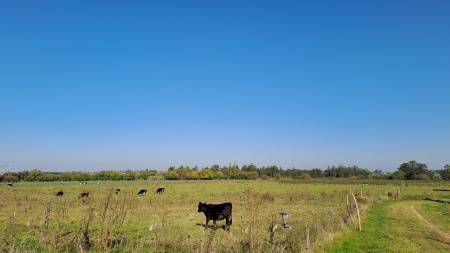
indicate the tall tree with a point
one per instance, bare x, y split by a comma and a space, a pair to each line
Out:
316, 173
415, 170
232, 171
446, 172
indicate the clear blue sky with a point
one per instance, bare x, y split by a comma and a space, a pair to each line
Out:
95, 85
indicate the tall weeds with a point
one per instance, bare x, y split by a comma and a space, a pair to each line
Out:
108, 222
114, 210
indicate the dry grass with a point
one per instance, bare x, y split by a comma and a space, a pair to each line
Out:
33, 219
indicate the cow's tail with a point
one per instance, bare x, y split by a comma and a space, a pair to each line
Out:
231, 214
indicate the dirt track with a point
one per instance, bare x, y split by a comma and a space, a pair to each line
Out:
444, 234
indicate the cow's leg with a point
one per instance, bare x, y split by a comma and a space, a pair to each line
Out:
227, 219
206, 223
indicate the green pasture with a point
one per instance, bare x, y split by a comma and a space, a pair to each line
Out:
394, 227
33, 219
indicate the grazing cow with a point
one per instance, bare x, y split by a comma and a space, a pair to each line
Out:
160, 190
142, 192
83, 195
10, 185
60, 193
117, 191
216, 212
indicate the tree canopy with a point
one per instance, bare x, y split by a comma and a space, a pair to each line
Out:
414, 170
411, 170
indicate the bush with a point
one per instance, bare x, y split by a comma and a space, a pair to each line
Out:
422, 177
278, 176
305, 175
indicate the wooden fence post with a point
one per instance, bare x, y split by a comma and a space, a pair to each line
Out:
357, 211
348, 205
47, 218
308, 245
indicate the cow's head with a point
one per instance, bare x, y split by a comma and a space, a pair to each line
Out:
201, 207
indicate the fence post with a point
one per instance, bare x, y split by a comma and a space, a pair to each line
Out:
348, 205
308, 245
47, 218
357, 211
273, 228
285, 217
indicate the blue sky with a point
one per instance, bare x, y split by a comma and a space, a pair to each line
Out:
95, 85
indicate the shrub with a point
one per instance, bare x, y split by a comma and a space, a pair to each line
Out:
278, 176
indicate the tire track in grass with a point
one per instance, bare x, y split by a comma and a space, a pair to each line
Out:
391, 227
443, 234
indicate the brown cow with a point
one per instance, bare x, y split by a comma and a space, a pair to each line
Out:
83, 195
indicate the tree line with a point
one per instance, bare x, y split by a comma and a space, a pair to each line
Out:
407, 171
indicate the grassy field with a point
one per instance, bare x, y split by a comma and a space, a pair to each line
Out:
395, 227
33, 219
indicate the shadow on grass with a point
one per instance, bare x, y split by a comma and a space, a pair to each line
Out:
437, 240
224, 227
436, 200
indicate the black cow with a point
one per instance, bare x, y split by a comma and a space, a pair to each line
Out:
83, 195
10, 185
216, 212
60, 193
160, 190
117, 191
142, 192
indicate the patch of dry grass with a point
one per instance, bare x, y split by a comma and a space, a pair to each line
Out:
109, 222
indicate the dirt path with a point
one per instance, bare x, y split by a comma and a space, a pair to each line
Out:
440, 232
393, 221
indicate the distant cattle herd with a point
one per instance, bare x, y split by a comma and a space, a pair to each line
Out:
142, 192
212, 212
